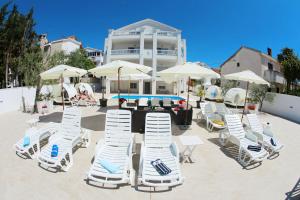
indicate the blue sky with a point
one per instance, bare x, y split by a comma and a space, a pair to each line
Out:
214, 29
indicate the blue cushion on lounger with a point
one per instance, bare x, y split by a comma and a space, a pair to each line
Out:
273, 142
54, 151
26, 141
160, 167
112, 168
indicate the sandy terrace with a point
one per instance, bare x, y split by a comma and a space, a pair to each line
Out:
215, 174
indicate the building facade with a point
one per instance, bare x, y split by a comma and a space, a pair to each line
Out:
67, 45
95, 55
150, 43
264, 65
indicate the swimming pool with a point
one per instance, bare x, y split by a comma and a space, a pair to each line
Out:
161, 97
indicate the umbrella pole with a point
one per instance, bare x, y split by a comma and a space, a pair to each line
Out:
119, 69
245, 100
187, 102
62, 92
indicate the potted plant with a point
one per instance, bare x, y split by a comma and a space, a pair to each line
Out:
103, 101
200, 94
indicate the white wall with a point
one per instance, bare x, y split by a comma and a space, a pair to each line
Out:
285, 106
69, 47
11, 98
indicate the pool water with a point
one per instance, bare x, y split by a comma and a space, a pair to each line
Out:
149, 97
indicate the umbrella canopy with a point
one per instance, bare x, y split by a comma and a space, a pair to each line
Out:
188, 69
247, 76
111, 69
62, 71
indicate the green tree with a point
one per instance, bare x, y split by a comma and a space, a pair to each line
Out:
80, 59
291, 66
259, 94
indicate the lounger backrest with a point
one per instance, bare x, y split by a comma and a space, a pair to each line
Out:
208, 109
222, 109
155, 102
202, 107
235, 126
158, 130
71, 121
118, 128
254, 123
143, 102
167, 102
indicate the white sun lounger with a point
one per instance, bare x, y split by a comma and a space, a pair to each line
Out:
167, 102
209, 115
236, 134
68, 136
158, 145
155, 102
116, 149
143, 102
264, 135
35, 136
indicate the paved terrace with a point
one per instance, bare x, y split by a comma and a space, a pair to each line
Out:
215, 174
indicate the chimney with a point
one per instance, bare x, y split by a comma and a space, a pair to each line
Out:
269, 52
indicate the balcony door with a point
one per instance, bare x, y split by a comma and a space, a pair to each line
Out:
147, 88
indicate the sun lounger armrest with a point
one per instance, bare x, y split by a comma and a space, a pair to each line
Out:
174, 150
251, 136
54, 137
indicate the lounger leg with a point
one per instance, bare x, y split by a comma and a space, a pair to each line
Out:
68, 162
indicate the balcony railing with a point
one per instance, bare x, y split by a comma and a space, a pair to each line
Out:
273, 76
125, 52
166, 33
167, 52
126, 33
146, 52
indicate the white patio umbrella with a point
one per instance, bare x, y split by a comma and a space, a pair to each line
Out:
114, 69
187, 70
61, 71
249, 77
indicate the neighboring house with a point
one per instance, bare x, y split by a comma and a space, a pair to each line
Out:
95, 55
262, 64
146, 42
67, 45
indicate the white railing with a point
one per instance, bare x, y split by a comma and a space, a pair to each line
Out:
166, 33
125, 51
167, 52
273, 76
126, 33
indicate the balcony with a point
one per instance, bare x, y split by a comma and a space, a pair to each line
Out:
273, 76
167, 33
132, 33
167, 52
125, 52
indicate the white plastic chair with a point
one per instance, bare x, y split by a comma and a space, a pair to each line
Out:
116, 149
236, 134
209, 115
158, 145
264, 135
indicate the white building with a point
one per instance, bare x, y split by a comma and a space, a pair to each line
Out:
67, 45
95, 55
150, 43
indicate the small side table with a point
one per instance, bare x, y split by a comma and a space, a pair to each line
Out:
190, 143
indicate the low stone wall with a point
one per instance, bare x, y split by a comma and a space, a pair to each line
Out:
11, 98
285, 106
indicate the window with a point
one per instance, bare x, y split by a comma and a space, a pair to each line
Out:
270, 66
237, 64
133, 85
161, 87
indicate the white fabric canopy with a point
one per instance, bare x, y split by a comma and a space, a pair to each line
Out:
110, 70
188, 69
247, 76
62, 70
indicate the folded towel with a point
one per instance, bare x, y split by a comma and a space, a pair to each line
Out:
112, 168
273, 142
26, 141
219, 122
254, 148
160, 167
54, 151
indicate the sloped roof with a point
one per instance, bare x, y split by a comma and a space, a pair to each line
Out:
251, 49
148, 22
